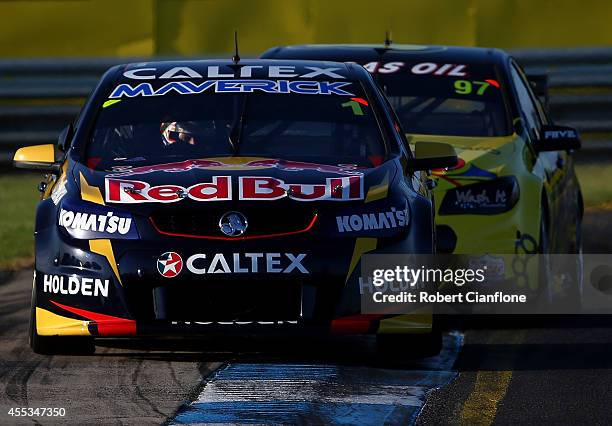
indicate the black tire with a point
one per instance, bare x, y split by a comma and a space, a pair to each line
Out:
544, 265
574, 291
579, 266
56, 345
561, 281
409, 346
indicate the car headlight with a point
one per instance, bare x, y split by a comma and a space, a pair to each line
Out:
489, 197
88, 222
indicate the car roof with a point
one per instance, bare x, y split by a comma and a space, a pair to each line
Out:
395, 52
260, 69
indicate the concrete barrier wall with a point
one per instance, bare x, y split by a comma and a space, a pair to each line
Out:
52, 28
56, 28
40, 96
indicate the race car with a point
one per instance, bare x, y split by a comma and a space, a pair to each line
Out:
219, 197
514, 190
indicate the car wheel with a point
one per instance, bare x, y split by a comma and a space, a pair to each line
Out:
545, 275
562, 280
579, 264
574, 286
57, 345
409, 346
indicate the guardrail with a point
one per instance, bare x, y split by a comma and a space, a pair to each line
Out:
580, 85
39, 97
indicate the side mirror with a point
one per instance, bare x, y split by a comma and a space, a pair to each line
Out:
433, 155
64, 138
557, 138
37, 157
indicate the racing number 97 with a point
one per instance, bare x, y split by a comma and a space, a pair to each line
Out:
465, 87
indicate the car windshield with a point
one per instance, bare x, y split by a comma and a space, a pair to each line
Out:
471, 104
330, 129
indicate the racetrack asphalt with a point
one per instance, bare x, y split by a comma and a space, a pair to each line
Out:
555, 373
113, 387
184, 381
555, 370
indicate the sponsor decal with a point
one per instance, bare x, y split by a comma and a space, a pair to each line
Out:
59, 190
133, 191
268, 188
560, 134
108, 224
451, 70
220, 189
285, 165
243, 263
59, 284
244, 71
493, 266
303, 87
461, 172
484, 199
199, 323
424, 68
169, 264
391, 219
383, 68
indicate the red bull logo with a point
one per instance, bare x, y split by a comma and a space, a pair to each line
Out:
253, 188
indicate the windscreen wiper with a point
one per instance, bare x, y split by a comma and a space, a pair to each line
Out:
235, 135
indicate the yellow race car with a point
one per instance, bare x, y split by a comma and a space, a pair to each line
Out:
514, 190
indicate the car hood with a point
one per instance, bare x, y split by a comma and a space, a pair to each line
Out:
303, 180
471, 148
480, 158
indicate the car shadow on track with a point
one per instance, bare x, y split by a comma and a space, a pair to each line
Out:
534, 356
534, 342
508, 322
347, 351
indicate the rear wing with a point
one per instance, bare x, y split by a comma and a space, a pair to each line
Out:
539, 85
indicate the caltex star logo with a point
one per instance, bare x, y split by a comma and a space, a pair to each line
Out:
169, 264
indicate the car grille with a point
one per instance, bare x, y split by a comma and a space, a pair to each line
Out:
262, 222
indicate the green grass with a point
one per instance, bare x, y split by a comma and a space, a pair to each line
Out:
19, 196
18, 199
596, 183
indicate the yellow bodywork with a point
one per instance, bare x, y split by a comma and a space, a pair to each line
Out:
417, 322
50, 324
37, 154
492, 157
481, 234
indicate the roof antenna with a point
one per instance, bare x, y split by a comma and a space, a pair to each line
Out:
386, 45
236, 57
388, 40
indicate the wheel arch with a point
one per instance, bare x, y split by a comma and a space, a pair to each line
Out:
534, 198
